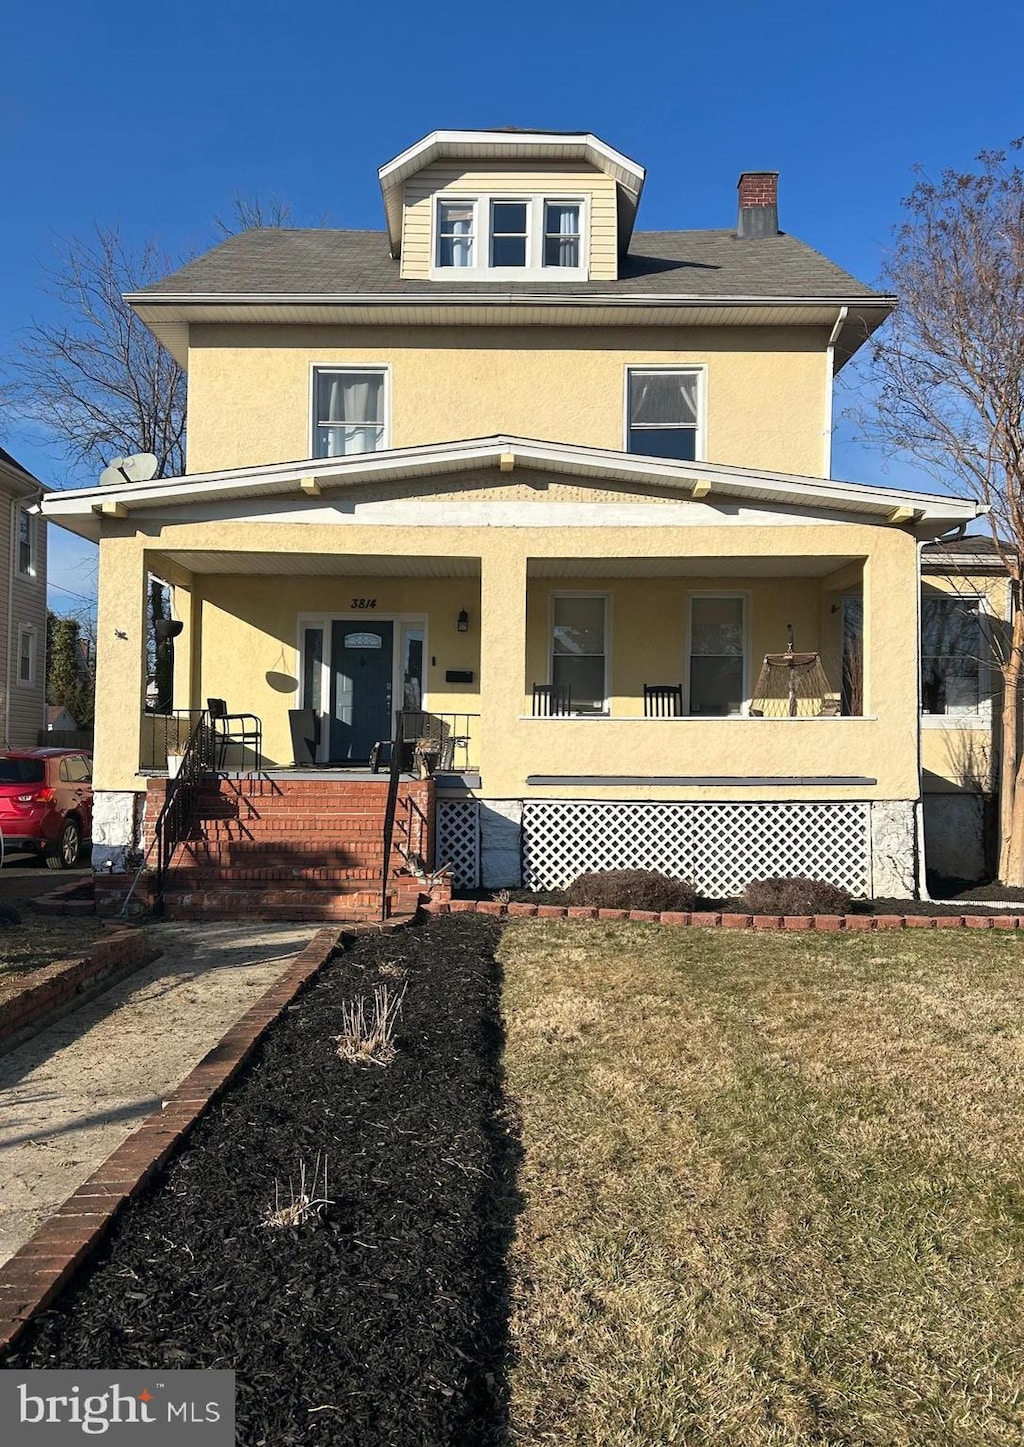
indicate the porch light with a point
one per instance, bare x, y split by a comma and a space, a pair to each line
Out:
463, 624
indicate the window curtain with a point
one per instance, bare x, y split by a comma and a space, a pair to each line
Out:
351, 409
562, 240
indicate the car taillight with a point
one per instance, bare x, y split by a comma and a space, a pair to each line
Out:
42, 796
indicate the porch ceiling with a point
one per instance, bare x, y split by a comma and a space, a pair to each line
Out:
317, 565
752, 567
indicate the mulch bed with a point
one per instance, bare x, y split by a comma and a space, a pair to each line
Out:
39, 941
982, 895
386, 1322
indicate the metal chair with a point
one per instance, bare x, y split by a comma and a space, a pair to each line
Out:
551, 700
244, 729
663, 700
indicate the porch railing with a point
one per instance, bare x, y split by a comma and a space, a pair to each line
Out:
394, 776
164, 734
453, 733
179, 808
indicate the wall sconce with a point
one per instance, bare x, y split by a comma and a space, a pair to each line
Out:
166, 628
463, 622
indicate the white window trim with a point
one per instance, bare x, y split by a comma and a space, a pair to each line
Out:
583, 593
988, 672
26, 630
354, 369
745, 600
326, 621
535, 270
696, 369
27, 574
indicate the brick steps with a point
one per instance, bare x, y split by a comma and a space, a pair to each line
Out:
283, 849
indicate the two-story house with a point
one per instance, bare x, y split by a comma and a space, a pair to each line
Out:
22, 606
555, 484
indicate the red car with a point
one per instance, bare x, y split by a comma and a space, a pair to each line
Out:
46, 802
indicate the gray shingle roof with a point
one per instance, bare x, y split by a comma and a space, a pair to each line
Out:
276, 261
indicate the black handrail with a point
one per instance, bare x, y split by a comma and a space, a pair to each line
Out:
394, 775
179, 805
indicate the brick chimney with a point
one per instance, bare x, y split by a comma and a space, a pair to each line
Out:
759, 205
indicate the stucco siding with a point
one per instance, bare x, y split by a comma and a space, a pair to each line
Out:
250, 387
552, 179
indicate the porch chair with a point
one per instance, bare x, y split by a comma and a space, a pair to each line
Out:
234, 728
663, 700
551, 700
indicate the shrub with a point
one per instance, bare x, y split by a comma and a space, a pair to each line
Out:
795, 895
631, 889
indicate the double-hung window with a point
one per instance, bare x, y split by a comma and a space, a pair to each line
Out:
663, 412
26, 654
717, 671
350, 407
953, 656
26, 544
510, 237
579, 649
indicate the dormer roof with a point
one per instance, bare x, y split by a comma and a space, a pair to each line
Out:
512, 145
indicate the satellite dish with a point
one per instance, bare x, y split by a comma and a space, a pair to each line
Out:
140, 467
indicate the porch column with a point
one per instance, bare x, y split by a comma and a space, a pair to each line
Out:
502, 664
120, 677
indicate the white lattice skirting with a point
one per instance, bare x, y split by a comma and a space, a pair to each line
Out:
720, 847
458, 841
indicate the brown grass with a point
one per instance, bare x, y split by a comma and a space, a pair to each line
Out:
773, 1187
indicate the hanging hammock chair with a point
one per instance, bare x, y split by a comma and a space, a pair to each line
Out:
793, 685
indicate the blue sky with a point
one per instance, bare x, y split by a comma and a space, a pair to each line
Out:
153, 116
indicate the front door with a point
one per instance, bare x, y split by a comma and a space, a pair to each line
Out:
361, 674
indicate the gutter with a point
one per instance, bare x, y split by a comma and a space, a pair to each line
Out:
12, 557
137, 299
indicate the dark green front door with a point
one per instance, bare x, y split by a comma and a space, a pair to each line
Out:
361, 673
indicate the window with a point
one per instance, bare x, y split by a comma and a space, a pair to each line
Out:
953, 653
75, 770
663, 412
561, 233
26, 654
350, 409
455, 227
717, 656
26, 543
312, 668
518, 235
412, 667
509, 235
578, 650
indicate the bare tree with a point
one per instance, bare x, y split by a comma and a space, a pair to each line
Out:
248, 212
97, 379
951, 393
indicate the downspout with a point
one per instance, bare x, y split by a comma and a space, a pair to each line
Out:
952, 536
830, 377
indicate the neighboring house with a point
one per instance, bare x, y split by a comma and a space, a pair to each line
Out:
22, 606
965, 619
58, 720
514, 464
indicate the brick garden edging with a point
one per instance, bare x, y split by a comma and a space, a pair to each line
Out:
30, 1002
37, 1273
825, 922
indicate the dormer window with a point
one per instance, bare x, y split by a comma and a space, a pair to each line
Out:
498, 238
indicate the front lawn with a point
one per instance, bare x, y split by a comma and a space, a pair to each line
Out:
773, 1187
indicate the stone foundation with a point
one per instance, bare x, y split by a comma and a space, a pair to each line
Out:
116, 829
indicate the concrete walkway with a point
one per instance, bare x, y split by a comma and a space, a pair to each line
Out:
73, 1092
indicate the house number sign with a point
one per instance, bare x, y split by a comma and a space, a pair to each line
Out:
363, 603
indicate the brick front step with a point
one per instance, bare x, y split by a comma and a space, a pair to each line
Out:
341, 881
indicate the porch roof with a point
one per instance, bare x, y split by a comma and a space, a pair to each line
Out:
82, 510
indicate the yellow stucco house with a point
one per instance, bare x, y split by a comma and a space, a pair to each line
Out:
557, 485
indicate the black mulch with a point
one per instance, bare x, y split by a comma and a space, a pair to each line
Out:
385, 1324
984, 896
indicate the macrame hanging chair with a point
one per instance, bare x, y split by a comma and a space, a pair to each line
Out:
792, 685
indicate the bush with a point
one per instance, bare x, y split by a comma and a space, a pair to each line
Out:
795, 896
631, 889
